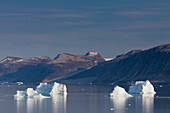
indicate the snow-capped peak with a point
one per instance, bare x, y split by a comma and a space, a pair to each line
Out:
108, 59
91, 53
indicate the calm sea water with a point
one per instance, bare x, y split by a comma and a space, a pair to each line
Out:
84, 99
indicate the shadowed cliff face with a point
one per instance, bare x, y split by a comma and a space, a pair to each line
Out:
152, 64
42, 68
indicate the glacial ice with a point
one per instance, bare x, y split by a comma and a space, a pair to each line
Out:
20, 83
58, 89
142, 87
119, 92
31, 93
43, 90
20, 94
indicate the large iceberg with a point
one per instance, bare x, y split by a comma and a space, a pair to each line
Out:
58, 89
31, 93
43, 90
119, 92
142, 87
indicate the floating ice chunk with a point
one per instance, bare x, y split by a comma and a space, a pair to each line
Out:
19, 83
119, 92
142, 87
58, 89
31, 93
20, 94
42, 96
44, 88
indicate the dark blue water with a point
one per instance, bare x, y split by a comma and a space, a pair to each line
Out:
84, 99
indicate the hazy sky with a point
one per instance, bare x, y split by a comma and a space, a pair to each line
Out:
48, 27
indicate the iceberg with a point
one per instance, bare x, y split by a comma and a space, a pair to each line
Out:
58, 89
20, 94
31, 93
142, 87
119, 92
43, 90
20, 83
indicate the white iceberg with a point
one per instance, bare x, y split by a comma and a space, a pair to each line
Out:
20, 94
20, 83
119, 92
142, 87
58, 89
43, 90
31, 93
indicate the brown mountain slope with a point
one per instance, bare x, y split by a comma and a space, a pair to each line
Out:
38, 69
152, 64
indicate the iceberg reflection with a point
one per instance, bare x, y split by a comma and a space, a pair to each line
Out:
59, 103
30, 105
20, 105
148, 103
144, 103
119, 104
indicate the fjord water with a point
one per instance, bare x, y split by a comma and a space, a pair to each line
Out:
84, 99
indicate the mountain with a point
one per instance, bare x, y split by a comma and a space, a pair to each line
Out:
65, 64
45, 69
152, 64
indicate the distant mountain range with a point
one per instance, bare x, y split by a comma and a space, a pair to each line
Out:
45, 69
152, 64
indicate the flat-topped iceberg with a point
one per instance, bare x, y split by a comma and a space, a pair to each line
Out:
119, 92
43, 90
142, 87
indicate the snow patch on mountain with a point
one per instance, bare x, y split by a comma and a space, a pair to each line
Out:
91, 54
108, 59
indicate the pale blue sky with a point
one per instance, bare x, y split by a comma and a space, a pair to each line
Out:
46, 28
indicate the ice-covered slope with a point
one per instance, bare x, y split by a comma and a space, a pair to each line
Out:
91, 54
108, 59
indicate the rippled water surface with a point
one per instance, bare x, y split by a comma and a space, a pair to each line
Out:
84, 99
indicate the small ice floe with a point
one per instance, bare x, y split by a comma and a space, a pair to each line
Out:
20, 94
19, 83
119, 92
43, 90
112, 109
142, 87
4, 83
